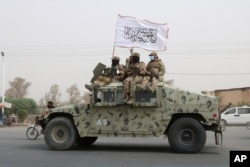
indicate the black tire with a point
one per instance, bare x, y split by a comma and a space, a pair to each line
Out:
85, 141
32, 133
60, 134
186, 135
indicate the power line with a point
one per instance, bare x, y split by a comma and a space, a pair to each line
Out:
208, 73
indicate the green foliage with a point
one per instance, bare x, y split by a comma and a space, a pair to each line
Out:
21, 104
22, 114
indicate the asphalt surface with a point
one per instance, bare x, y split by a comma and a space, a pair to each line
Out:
16, 150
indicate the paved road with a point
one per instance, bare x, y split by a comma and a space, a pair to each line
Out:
16, 150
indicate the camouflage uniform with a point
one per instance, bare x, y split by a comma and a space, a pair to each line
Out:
135, 72
109, 75
121, 75
155, 73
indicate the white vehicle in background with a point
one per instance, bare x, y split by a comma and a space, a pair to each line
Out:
236, 116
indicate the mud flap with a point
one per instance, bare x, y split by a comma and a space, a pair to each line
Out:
218, 138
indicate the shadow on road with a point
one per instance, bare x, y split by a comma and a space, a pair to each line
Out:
124, 148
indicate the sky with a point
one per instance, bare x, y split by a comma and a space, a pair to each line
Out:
60, 42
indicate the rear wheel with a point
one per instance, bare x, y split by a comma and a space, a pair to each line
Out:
186, 135
85, 141
32, 133
60, 134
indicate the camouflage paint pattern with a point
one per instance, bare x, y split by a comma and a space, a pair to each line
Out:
143, 118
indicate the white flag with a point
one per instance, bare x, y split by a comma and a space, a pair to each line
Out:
131, 32
6, 105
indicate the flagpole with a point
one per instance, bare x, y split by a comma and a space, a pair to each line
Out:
3, 88
113, 54
113, 51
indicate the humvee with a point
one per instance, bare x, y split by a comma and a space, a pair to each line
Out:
182, 116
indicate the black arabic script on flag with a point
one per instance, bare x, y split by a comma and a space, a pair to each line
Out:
138, 34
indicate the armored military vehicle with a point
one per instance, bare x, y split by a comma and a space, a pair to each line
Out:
182, 116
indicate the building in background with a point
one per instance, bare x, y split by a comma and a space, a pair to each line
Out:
236, 96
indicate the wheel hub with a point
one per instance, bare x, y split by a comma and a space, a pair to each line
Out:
186, 136
59, 134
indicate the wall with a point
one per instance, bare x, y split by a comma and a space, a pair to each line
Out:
237, 96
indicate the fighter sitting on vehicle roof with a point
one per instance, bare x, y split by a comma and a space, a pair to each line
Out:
109, 75
155, 73
135, 72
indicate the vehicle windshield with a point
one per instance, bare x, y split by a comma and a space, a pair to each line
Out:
231, 111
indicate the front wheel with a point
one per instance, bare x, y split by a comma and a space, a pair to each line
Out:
60, 134
32, 133
186, 135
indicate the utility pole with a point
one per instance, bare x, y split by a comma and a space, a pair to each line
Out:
3, 88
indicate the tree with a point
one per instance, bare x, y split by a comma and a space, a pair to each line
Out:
42, 104
53, 95
22, 104
22, 114
74, 94
18, 88
86, 97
